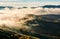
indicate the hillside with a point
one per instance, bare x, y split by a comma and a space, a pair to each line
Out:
39, 22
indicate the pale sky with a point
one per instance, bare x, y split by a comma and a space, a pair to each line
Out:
29, 2
32, 0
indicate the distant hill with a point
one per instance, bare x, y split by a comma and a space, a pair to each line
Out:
2, 7
51, 6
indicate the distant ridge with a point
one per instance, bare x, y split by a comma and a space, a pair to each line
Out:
2, 7
51, 6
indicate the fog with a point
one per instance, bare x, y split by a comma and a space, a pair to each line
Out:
11, 18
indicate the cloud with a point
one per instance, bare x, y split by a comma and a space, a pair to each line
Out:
28, 4
20, 3
22, 0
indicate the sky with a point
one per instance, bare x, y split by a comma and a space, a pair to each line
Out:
29, 2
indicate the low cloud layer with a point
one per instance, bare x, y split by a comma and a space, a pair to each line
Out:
11, 18
28, 4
